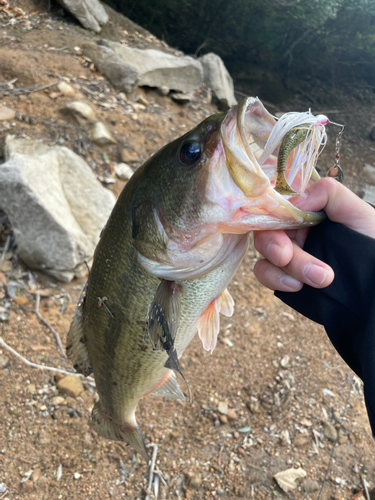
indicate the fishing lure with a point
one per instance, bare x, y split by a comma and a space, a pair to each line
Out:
291, 140
296, 140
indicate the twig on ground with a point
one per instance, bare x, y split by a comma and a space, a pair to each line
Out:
152, 467
29, 90
337, 438
55, 333
364, 482
44, 367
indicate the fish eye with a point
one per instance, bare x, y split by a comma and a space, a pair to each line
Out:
190, 153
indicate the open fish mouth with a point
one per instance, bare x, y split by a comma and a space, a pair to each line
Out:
264, 153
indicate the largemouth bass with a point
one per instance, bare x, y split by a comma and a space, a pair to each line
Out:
173, 242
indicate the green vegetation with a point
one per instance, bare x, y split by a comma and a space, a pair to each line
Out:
329, 40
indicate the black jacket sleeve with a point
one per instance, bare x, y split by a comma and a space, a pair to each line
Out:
346, 308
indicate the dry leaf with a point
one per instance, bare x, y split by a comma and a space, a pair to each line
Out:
287, 478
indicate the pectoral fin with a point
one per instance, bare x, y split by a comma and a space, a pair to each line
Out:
209, 324
164, 315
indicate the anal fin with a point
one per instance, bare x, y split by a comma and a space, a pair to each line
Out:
170, 388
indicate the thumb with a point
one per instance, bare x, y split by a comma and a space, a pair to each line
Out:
340, 204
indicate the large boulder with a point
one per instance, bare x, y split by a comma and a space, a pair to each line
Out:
90, 13
55, 204
218, 79
127, 68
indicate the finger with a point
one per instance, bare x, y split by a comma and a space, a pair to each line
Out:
340, 204
275, 246
307, 269
275, 278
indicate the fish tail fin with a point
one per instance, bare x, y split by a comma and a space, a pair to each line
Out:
129, 432
76, 349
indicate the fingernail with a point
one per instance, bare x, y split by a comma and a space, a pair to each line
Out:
290, 282
315, 274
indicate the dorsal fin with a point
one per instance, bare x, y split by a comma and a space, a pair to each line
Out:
170, 388
76, 349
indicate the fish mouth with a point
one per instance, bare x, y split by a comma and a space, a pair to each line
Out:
253, 142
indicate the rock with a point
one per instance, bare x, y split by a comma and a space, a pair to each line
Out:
81, 111
369, 195
127, 68
194, 480
100, 134
58, 400
301, 441
70, 385
44, 438
223, 419
342, 439
253, 406
66, 89
330, 432
217, 77
222, 408
21, 300
128, 156
67, 206
284, 362
31, 388
164, 90
76, 475
232, 415
4, 360
310, 485
6, 113
90, 13
287, 479
369, 172
123, 171
182, 98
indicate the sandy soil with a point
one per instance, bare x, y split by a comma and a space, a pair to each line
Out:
277, 372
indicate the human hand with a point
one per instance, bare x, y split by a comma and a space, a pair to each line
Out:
286, 266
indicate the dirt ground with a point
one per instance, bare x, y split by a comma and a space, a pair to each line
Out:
285, 387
